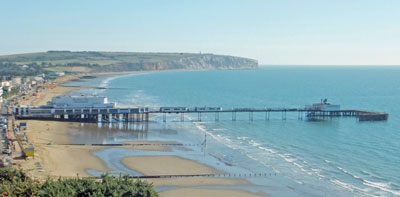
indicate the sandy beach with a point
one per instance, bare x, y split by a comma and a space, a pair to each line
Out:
186, 186
174, 165
166, 165
55, 158
58, 160
207, 192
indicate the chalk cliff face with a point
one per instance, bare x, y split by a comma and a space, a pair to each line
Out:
191, 61
209, 61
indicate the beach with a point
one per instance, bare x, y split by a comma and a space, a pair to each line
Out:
55, 156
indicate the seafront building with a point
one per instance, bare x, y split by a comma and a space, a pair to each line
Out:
82, 101
82, 108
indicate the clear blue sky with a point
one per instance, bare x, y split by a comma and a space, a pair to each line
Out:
334, 32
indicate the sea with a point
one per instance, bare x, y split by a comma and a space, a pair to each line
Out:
292, 157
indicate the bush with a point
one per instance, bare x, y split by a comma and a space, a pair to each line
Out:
17, 183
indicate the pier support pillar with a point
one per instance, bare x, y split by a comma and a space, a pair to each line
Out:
216, 116
164, 117
300, 115
233, 116
267, 115
199, 116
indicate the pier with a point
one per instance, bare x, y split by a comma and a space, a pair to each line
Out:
97, 109
139, 114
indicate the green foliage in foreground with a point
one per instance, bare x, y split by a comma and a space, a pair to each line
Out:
17, 183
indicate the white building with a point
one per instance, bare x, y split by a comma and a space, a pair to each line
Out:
82, 101
5, 83
37, 79
53, 75
5, 86
323, 106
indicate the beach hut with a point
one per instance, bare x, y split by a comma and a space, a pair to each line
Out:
30, 151
22, 125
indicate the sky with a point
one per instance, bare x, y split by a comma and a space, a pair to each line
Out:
274, 32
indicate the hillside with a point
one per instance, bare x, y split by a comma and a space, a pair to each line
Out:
89, 61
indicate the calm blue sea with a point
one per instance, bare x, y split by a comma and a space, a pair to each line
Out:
338, 156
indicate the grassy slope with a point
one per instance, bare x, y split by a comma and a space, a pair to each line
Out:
90, 61
101, 58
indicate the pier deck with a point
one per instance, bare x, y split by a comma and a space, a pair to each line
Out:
143, 114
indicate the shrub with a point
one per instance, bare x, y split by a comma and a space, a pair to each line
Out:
17, 183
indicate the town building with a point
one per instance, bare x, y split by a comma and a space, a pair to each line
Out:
82, 101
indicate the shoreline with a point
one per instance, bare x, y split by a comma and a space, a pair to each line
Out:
114, 75
63, 160
170, 70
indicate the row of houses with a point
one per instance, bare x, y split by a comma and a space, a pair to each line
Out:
8, 83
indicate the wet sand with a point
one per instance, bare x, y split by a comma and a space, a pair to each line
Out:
166, 165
